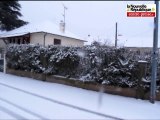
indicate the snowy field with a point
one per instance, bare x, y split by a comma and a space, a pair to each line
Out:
43, 100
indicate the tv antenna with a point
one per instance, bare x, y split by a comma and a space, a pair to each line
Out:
64, 14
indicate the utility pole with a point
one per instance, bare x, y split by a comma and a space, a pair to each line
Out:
116, 36
154, 56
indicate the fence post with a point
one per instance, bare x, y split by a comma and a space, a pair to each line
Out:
4, 63
142, 65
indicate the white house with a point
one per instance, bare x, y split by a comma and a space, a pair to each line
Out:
44, 33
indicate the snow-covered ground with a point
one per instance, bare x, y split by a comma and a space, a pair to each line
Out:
16, 104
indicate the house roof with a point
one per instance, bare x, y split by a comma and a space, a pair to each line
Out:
46, 26
12, 35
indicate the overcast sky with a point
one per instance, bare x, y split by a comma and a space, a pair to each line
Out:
96, 18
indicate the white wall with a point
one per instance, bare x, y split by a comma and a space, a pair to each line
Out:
36, 38
49, 40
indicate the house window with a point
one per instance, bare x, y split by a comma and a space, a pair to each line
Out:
57, 42
19, 41
10, 40
13, 41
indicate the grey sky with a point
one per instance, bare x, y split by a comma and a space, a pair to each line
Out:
96, 18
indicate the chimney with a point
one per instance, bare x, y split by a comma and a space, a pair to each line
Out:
62, 26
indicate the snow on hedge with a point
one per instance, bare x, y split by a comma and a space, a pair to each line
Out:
96, 63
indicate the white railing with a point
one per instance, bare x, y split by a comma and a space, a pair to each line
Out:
4, 64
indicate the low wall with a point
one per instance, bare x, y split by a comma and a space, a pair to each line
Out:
128, 92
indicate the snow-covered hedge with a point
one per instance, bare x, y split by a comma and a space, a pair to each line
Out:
39, 59
101, 64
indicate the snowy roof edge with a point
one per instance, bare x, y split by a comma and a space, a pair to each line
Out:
12, 35
59, 35
20, 34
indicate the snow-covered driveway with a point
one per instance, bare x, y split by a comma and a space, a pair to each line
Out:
66, 102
